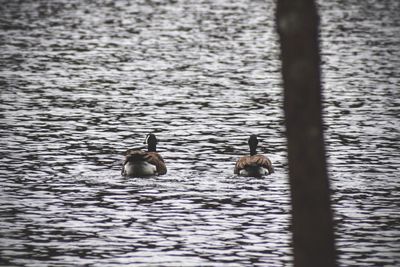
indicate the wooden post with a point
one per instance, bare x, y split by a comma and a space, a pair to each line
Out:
312, 223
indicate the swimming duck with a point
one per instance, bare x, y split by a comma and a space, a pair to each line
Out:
139, 163
254, 165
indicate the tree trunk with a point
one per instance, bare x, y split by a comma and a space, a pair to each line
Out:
312, 223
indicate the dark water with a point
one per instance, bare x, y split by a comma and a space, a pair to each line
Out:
81, 81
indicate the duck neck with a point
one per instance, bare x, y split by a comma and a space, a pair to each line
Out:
151, 147
253, 149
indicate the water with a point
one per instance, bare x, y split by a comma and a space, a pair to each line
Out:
81, 81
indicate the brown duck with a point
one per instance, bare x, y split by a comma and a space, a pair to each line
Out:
255, 165
139, 163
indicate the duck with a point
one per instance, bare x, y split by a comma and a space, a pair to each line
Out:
139, 163
255, 165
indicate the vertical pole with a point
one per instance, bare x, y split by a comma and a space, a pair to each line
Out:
312, 223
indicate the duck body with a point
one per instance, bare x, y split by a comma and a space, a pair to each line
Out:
139, 163
139, 169
253, 165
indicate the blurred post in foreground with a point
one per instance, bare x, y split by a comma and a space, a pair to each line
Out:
312, 222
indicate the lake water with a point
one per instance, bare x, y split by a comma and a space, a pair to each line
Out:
82, 81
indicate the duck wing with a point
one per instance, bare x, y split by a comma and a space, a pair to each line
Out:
251, 161
156, 159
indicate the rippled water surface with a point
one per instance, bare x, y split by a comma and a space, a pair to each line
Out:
81, 81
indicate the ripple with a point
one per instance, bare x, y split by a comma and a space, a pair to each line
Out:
82, 82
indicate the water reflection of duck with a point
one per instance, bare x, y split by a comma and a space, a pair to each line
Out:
139, 163
255, 165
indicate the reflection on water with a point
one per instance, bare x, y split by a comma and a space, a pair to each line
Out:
83, 81
361, 64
